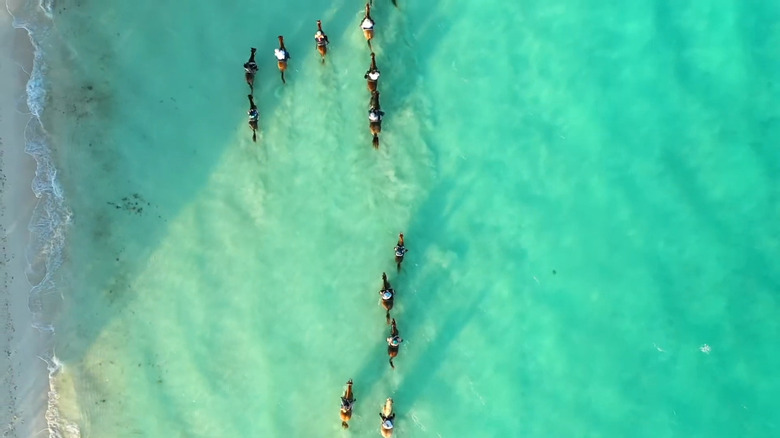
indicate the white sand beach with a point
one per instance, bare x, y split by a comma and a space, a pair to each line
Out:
23, 397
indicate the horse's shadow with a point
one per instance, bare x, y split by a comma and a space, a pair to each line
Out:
435, 353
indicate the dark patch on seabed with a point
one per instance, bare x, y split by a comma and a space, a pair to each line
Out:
134, 203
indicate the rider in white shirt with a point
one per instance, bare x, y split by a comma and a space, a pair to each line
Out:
375, 115
281, 54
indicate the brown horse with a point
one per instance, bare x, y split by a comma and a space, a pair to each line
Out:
388, 296
372, 75
321, 40
387, 415
282, 55
368, 26
254, 116
347, 401
374, 102
250, 68
400, 251
376, 128
375, 115
393, 342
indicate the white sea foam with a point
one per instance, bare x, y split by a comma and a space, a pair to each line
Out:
51, 216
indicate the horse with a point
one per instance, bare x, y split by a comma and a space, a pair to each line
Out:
368, 26
321, 40
376, 128
387, 415
388, 296
393, 342
375, 115
400, 251
347, 401
374, 102
250, 68
254, 116
372, 75
282, 55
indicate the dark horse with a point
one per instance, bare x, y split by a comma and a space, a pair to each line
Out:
368, 26
372, 75
254, 116
388, 296
400, 251
250, 68
393, 342
321, 40
282, 55
347, 401
375, 115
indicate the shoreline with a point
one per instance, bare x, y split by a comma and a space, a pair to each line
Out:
25, 383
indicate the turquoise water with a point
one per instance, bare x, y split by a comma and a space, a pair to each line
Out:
588, 192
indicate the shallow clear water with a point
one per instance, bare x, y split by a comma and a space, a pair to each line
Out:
588, 192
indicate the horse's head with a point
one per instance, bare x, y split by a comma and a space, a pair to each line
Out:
388, 408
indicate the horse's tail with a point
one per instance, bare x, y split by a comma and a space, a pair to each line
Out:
344, 424
254, 136
399, 264
387, 317
282, 72
391, 363
375, 141
395, 3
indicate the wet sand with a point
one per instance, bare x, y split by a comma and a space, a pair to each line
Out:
23, 397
